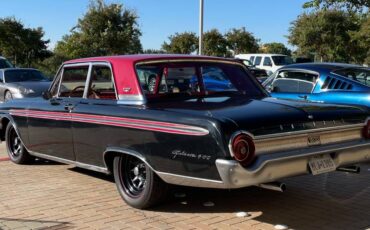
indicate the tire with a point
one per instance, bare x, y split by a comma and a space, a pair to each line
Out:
142, 196
151, 84
15, 148
8, 96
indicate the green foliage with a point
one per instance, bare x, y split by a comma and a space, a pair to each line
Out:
351, 5
23, 46
361, 41
327, 33
153, 51
214, 44
276, 48
104, 30
181, 43
241, 41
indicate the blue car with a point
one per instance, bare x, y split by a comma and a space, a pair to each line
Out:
322, 82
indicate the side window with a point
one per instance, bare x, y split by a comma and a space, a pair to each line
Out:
251, 59
267, 61
1, 76
294, 82
73, 81
257, 61
101, 84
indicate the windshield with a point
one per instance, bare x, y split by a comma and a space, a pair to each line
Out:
357, 74
282, 60
5, 64
193, 79
24, 75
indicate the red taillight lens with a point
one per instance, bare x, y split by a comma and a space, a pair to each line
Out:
366, 130
242, 148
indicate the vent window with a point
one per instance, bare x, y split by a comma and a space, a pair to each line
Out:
333, 83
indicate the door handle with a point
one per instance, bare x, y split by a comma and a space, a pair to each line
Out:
55, 101
69, 107
303, 97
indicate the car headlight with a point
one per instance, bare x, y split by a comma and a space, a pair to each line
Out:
25, 90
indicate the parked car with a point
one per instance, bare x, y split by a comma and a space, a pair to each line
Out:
21, 82
4, 63
268, 62
322, 82
260, 74
97, 115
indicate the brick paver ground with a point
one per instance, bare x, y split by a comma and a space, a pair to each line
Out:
57, 196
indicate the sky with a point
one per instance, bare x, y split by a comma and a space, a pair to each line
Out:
268, 20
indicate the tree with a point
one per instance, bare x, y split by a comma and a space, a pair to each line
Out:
24, 46
361, 40
103, 30
181, 43
327, 33
241, 41
214, 44
277, 48
351, 5
153, 51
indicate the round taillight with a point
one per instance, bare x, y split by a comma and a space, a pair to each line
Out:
366, 130
242, 148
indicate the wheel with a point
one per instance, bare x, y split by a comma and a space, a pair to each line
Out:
8, 96
15, 148
151, 83
137, 184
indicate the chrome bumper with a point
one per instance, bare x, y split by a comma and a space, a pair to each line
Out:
275, 166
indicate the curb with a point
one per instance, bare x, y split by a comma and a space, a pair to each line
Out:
4, 159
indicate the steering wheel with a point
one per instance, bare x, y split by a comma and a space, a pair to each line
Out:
78, 88
92, 93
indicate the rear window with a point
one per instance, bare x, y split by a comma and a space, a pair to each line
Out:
361, 75
195, 79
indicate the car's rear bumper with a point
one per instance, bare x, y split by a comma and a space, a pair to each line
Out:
275, 166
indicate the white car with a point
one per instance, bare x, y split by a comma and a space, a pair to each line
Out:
268, 62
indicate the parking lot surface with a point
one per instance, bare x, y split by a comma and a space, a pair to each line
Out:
48, 195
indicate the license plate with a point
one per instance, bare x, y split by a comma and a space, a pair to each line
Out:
321, 164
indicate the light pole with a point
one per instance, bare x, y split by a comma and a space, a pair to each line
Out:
201, 3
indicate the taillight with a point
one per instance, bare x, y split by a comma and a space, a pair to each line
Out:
242, 148
366, 130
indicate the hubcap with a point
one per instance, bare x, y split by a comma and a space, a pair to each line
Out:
15, 144
134, 176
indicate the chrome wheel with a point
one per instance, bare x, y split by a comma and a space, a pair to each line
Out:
8, 96
151, 84
15, 148
134, 176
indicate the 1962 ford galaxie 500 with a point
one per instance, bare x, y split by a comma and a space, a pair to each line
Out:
99, 114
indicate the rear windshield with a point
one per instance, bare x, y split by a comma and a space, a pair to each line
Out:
357, 74
282, 60
24, 75
5, 64
195, 79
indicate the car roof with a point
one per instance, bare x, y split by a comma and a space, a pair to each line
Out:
260, 54
328, 66
146, 57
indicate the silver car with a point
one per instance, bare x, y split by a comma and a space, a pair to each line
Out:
21, 82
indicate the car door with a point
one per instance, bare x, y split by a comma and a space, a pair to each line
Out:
90, 133
293, 84
50, 118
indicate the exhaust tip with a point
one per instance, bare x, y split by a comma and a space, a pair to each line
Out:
275, 186
350, 169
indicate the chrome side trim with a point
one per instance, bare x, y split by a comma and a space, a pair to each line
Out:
285, 134
70, 162
131, 99
189, 181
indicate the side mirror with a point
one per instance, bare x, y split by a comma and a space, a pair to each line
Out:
46, 95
